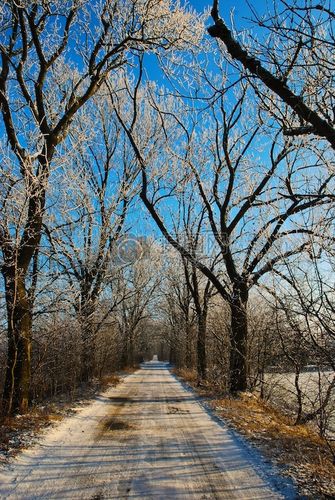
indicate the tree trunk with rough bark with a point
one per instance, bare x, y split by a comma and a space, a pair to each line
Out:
87, 342
201, 347
238, 339
18, 372
188, 345
131, 350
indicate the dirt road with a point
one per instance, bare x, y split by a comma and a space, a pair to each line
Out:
148, 438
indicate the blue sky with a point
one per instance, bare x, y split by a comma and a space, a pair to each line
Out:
241, 8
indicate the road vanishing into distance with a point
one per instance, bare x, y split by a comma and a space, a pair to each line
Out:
147, 438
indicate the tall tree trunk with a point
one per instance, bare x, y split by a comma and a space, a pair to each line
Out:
87, 342
201, 346
131, 350
124, 353
87, 356
18, 301
188, 345
238, 339
18, 372
173, 349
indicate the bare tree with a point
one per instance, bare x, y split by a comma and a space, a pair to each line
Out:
138, 285
189, 230
247, 193
54, 58
304, 296
90, 220
176, 309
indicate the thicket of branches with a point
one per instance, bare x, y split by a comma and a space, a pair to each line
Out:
126, 120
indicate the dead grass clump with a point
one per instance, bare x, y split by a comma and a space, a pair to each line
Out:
131, 369
186, 374
18, 431
109, 381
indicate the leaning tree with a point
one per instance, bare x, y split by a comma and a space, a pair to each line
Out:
288, 56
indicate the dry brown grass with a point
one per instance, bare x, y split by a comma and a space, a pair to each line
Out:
298, 449
109, 381
303, 453
113, 379
186, 374
131, 369
17, 432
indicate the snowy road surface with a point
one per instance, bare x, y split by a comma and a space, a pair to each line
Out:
148, 438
